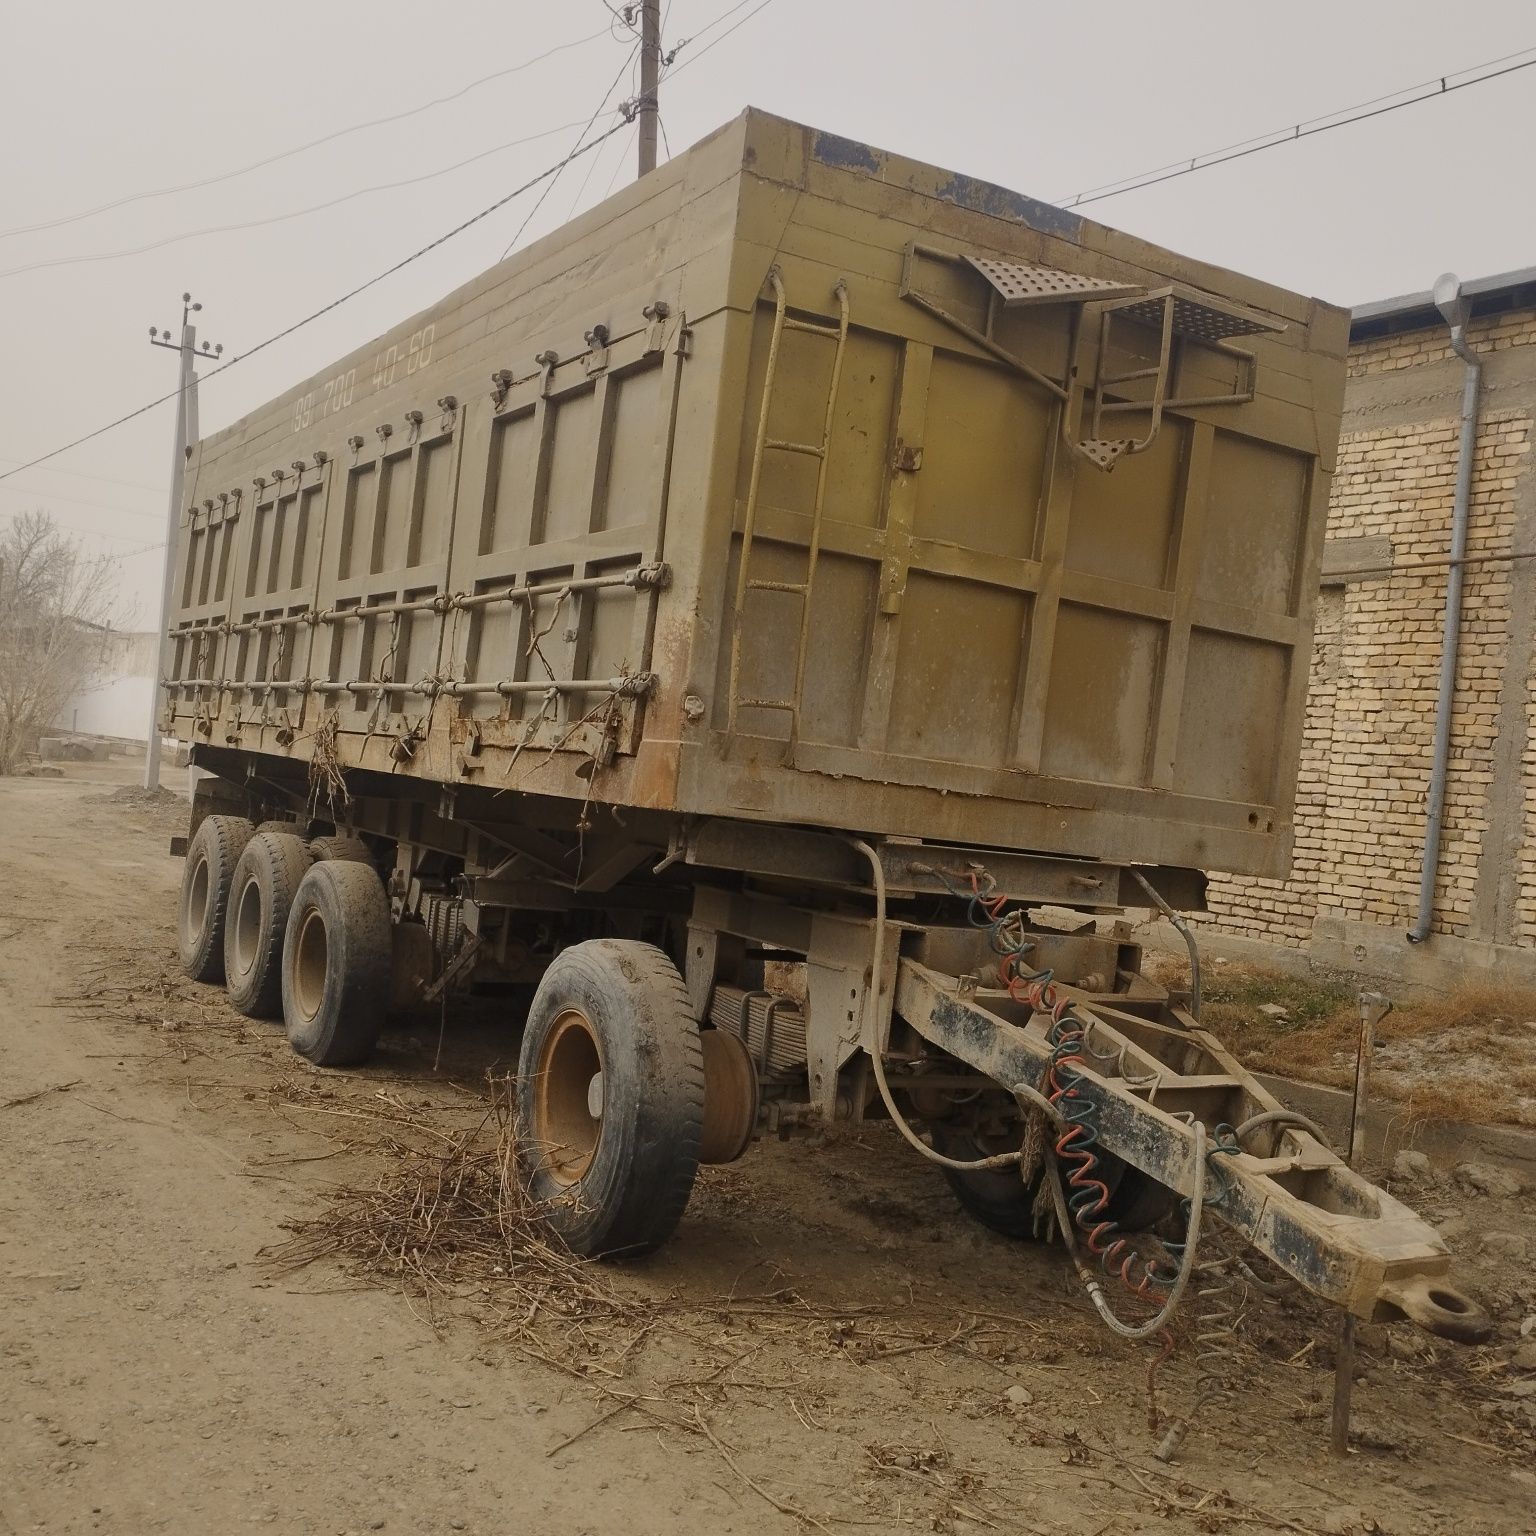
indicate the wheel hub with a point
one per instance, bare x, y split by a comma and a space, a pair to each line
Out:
569, 1098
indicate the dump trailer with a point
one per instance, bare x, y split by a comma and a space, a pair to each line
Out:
779, 620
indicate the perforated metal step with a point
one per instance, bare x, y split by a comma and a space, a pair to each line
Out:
1105, 452
1202, 319
1027, 282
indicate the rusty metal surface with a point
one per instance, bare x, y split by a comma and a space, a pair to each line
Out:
1287, 1193
438, 560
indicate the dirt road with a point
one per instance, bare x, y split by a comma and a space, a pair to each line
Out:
897, 1369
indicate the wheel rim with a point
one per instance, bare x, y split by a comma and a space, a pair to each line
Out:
195, 913
309, 965
247, 926
568, 1098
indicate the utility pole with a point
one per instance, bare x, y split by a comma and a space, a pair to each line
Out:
186, 435
650, 78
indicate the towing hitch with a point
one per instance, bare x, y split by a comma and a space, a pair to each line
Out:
1147, 1074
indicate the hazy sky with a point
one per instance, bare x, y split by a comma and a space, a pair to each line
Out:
100, 101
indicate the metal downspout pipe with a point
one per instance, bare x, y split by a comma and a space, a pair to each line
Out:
1456, 311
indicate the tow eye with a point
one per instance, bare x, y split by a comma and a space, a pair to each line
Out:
1439, 1309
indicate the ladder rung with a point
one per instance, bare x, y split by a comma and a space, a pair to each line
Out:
785, 704
813, 327
802, 587
815, 450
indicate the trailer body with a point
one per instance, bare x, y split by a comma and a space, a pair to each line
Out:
502, 545
741, 615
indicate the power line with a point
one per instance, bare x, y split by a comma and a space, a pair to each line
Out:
95, 533
288, 154
282, 218
325, 309
1430, 90
575, 149
81, 474
695, 57
693, 37
618, 164
618, 16
81, 501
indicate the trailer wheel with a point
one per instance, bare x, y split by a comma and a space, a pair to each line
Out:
610, 1097
205, 884
996, 1197
336, 962
265, 882
348, 849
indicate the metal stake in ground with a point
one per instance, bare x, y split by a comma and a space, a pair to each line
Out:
1373, 1009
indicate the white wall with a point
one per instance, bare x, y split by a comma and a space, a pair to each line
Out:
119, 707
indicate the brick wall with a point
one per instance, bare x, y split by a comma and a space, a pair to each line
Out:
1366, 750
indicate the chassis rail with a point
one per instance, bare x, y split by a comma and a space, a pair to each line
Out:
1287, 1193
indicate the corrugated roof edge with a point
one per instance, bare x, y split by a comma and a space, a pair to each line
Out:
1416, 311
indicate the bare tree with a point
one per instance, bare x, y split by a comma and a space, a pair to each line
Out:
56, 609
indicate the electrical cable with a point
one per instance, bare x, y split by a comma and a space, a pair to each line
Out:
576, 149
102, 506
618, 164
281, 218
81, 474
325, 309
623, 20
1091, 1282
1432, 90
94, 533
875, 1051
288, 154
668, 55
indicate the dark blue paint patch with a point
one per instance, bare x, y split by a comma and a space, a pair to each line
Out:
984, 197
848, 153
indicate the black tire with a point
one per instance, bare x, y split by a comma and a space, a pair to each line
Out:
348, 849
214, 851
996, 1197
999, 1199
614, 1184
336, 963
266, 880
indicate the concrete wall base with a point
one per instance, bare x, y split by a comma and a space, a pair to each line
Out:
1367, 952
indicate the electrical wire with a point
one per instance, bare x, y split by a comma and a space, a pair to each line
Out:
96, 533
576, 149
624, 21
103, 506
281, 218
668, 55
288, 154
1441, 85
81, 474
336, 303
618, 164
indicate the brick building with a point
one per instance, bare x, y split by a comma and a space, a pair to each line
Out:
1361, 810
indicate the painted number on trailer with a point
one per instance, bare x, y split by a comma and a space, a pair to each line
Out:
415, 353
335, 395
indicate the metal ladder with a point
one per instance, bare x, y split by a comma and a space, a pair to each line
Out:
745, 581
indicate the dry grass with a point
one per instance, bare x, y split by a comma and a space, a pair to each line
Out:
452, 1218
1464, 1055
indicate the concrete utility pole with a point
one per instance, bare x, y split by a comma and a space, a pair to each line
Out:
186, 435
650, 76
